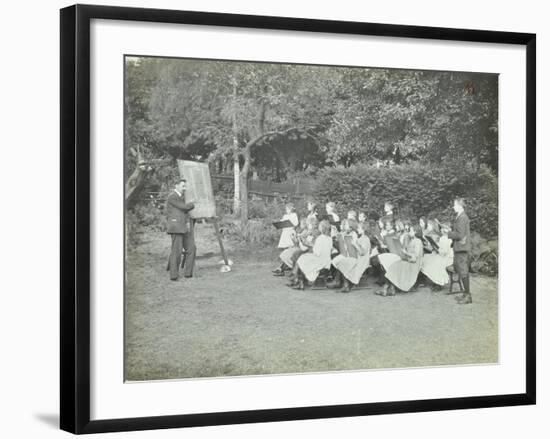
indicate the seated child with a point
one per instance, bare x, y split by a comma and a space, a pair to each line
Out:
343, 243
303, 244
402, 274
352, 215
312, 210
352, 268
428, 230
434, 265
334, 219
306, 246
388, 212
376, 240
288, 233
388, 256
310, 264
287, 255
377, 247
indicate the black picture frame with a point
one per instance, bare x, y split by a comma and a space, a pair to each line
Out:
75, 217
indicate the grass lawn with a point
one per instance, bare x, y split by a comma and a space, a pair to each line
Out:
247, 322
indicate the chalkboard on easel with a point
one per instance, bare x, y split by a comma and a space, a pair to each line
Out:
199, 188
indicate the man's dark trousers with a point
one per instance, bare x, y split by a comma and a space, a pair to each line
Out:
179, 242
177, 217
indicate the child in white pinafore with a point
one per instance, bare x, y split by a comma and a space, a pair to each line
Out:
310, 264
288, 234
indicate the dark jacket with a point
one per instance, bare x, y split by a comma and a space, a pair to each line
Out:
461, 234
177, 217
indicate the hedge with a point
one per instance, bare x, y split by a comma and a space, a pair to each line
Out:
416, 190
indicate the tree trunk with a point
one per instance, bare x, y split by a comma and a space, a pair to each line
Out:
247, 158
244, 185
244, 199
237, 184
136, 181
236, 167
135, 185
139, 178
228, 166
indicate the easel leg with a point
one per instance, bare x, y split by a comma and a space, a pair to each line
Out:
219, 236
193, 249
184, 250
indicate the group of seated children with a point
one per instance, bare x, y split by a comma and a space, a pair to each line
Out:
400, 253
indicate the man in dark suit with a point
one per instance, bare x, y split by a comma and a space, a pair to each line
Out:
461, 249
177, 217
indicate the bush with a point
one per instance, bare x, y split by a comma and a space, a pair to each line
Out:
143, 217
257, 208
272, 210
484, 255
259, 229
416, 190
148, 215
222, 188
224, 205
255, 231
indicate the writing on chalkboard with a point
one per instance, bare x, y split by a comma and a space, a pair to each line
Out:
199, 188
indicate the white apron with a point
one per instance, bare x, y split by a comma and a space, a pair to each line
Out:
288, 233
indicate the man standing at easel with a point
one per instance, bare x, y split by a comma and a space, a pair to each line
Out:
177, 218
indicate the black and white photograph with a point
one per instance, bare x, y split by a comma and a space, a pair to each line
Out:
297, 218
275, 219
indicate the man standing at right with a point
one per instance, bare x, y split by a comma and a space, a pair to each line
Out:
177, 218
461, 249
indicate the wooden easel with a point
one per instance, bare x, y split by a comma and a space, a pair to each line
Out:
214, 221
199, 187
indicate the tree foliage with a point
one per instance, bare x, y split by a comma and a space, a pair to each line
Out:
280, 119
416, 190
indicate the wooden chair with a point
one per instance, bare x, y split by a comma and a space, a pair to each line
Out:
363, 285
454, 280
322, 279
